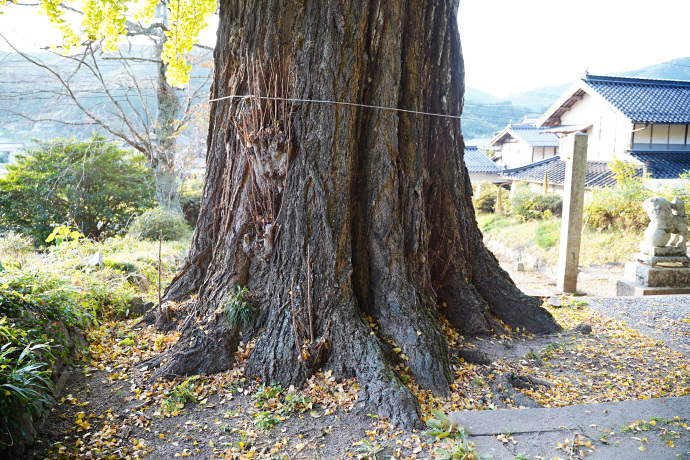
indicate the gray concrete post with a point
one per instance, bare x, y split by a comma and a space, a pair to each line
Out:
573, 205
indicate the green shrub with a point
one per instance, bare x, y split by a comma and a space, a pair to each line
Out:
619, 207
548, 233
485, 200
15, 247
527, 204
190, 201
93, 184
616, 209
159, 222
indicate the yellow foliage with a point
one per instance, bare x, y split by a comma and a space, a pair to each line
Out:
106, 20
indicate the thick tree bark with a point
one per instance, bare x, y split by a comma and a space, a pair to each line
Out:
367, 211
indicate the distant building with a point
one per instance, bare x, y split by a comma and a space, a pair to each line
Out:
597, 174
522, 144
8, 150
480, 167
7, 153
646, 121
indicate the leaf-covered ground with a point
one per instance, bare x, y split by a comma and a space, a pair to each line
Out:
107, 410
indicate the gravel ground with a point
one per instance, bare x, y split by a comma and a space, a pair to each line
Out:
666, 318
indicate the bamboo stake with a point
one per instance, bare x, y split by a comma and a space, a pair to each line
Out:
160, 244
311, 324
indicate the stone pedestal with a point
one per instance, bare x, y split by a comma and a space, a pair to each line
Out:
667, 255
642, 279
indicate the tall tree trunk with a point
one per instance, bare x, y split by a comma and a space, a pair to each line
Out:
163, 162
367, 211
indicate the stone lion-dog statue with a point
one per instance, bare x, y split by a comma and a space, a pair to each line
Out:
668, 222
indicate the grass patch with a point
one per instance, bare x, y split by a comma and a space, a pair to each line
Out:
541, 238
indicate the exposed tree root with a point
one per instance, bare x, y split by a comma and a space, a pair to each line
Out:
202, 349
508, 386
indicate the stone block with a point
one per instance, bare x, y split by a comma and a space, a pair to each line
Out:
668, 260
628, 289
644, 275
95, 260
664, 251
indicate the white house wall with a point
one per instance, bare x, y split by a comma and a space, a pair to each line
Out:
661, 137
609, 136
515, 153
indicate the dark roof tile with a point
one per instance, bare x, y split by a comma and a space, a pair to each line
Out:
664, 165
477, 162
597, 175
645, 100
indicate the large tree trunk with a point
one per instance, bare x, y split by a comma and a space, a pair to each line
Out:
367, 211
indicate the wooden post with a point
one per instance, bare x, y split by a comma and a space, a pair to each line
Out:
499, 202
573, 205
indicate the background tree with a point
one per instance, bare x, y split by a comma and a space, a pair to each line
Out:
93, 184
125, 93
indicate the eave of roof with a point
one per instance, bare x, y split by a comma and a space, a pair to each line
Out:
525, 133
610, 90
663, 164
477, 162
597, 173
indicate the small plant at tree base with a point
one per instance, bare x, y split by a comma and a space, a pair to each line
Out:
294, 402
238, 309
461, 450
368, 450
442, 427
266, 392
265, 420
522, 456
180, 394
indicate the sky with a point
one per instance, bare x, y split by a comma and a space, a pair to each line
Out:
510, 46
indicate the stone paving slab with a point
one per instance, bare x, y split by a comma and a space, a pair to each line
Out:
538, 430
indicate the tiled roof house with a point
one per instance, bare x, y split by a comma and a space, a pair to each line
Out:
523, 143
480, 167
643, 120
597, 173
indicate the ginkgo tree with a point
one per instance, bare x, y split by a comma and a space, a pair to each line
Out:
106, 19
146, 113
336, 193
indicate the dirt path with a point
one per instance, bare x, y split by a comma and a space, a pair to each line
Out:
594, 280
